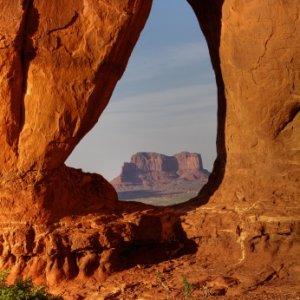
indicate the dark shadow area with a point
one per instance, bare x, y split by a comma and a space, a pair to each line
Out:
148, 251
27, 50
152, 254
209, 15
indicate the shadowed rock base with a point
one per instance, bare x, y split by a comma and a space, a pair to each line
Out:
59, 225
74, 227
45, 198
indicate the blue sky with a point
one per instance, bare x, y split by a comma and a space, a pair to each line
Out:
165, 102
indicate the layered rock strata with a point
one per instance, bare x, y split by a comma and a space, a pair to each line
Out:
149, 168
92, 246
59, 63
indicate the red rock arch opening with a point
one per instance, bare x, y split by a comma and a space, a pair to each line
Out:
248, 233
164, 104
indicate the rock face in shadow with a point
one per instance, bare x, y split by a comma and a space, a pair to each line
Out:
149, 168
59, 63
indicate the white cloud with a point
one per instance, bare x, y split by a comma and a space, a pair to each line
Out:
155, 109
168, 121
155, 63
174, 98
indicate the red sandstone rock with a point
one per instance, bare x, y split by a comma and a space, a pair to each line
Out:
59, 62
254, 187
190, 166
148, 168
159, 179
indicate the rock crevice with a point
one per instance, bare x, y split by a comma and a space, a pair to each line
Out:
58, 70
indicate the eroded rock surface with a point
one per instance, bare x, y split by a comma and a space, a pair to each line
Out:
90, 246
159, 179
59, 63
149, 168
254, 208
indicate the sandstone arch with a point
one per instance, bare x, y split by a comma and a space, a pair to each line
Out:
254, 207
60, 62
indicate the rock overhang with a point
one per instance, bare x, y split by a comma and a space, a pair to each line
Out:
253, 191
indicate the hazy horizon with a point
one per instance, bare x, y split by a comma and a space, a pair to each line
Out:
165, 102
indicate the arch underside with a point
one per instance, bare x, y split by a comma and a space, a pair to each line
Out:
59, 69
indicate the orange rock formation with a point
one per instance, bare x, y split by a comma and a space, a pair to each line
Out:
150, 169
60, 61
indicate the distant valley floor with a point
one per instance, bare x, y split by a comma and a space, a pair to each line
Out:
162, 194
159, 179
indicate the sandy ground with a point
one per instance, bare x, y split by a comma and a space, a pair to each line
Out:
178, 279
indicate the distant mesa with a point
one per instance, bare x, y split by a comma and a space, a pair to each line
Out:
150, 168
150, 174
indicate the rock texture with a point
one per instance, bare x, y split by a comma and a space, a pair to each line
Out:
258, 119
78, 248
254, 201
59, 63
149, 168
159, 179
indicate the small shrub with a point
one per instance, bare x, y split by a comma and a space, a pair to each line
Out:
23, 290
3, 276
187, 288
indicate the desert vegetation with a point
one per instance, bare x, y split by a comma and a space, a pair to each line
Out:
23, 290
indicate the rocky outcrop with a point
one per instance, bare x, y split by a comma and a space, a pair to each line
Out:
253, 194
159, 179
190, 166
258, 99
91, 246
149, 168
59, 63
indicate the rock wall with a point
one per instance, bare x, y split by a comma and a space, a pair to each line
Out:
59, 63
254, 203
258, 65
